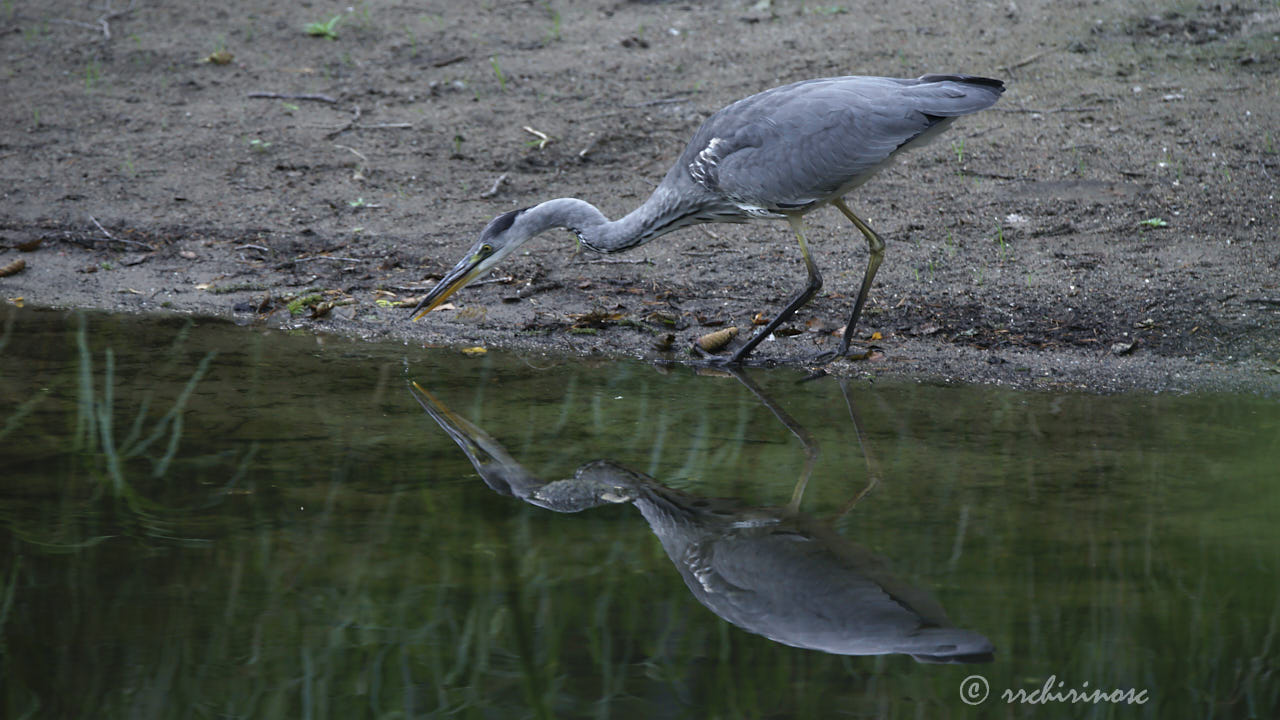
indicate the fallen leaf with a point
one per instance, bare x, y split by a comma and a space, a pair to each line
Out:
473, 351
16, 301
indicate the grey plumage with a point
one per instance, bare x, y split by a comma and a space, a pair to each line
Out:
778, 154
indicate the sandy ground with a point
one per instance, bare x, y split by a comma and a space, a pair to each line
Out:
1111, 224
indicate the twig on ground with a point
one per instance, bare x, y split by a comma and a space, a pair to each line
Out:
670, 100
1049, 111
354, 151
353, 124
1027, 60
82, 240
493, 190
331, 258
597, 261
102, 229
295, 96
355, 117
677, 97
543, 138
104, 21
112, 238
447, 60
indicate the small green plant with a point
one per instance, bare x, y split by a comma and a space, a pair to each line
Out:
1154, 222
237, 287
957, 146
92, 73
358, 203
127, 167
1003, 247
327, 29
555, 23
497, 70
258, 145
366, 19
299, 305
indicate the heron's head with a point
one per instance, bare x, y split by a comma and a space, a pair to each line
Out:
497, 240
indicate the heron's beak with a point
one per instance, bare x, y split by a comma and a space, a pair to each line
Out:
457, 278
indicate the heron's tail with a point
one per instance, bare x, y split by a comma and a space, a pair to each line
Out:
944, 96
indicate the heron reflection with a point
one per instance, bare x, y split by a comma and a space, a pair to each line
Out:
772, 571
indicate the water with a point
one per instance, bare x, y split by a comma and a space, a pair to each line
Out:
203, 520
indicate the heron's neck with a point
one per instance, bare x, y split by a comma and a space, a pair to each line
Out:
659, 214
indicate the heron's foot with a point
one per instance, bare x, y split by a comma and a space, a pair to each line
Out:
826, 357
705, 359
719, 361
708, 359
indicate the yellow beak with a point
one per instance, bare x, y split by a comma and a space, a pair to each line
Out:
461, 275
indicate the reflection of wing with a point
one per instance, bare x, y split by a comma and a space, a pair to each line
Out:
797, 588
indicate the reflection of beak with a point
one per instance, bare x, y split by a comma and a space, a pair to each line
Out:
461, 274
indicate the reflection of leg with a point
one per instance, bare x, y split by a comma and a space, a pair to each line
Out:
873, 467
812, 451
811, 287
875, 254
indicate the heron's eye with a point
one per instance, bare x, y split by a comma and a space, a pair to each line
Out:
486, 250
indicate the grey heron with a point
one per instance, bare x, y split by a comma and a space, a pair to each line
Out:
778, 154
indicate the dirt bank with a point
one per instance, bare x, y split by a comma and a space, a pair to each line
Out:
1111, 224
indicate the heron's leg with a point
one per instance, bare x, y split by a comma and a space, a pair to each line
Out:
873, 467
810, 289
812, 451
875, 254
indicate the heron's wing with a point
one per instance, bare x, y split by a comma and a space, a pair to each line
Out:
792, 146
